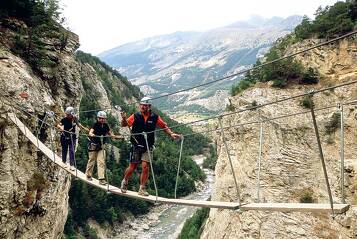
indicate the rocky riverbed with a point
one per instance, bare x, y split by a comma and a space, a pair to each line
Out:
166, 221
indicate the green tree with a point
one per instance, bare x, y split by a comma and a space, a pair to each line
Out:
193, 226
330, 21
303, 30
41, 18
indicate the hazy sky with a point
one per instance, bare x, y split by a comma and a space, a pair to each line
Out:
105, 24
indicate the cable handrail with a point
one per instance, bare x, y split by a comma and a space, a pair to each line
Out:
259, 106
43, 122
209, 118
247, 70
270, 119
244, 71
206, 131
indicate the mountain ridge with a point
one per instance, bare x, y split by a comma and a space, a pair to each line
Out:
167, 63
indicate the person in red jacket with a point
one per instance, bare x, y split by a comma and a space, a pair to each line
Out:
142, 121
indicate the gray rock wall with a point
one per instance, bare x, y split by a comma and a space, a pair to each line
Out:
34, 192
291, 170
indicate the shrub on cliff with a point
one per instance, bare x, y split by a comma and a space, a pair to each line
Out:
331, 21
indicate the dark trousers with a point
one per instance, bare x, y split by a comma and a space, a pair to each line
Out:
66, 144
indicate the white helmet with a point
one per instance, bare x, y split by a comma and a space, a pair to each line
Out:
102, 114
145, 101
70, 110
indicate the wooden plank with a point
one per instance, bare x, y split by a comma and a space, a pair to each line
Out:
196, 203
296, 207
278, 207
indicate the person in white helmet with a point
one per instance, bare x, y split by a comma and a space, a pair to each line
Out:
67, 126
98, 137
142, 121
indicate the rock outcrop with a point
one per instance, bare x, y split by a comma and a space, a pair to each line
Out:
34, 193
291, 170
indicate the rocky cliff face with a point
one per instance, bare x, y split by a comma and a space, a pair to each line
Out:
34, 192
291, 169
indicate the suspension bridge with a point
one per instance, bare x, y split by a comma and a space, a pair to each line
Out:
336, 208
281, 207
332, 207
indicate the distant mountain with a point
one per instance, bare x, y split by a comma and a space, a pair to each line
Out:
167, 63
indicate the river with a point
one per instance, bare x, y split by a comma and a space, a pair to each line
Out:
166, 221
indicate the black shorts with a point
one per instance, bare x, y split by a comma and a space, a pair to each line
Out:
139, 154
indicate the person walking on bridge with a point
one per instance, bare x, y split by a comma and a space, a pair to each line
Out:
96, 147
67, 126
144, 121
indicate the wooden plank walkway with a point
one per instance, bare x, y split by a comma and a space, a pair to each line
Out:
296, 207
279, 207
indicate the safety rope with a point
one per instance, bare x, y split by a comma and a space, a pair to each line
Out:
230, 161
106, 171
151, 166
321, 154
227, 127
74, 154
244, 109
13, 112
263, 105
38, 130
266, 120
259, 159
259, 106
342, 152
213, 130
179, 165
52, 140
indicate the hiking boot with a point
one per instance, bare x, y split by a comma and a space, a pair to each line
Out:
142, 191
123, 186
89, 178
102, 182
